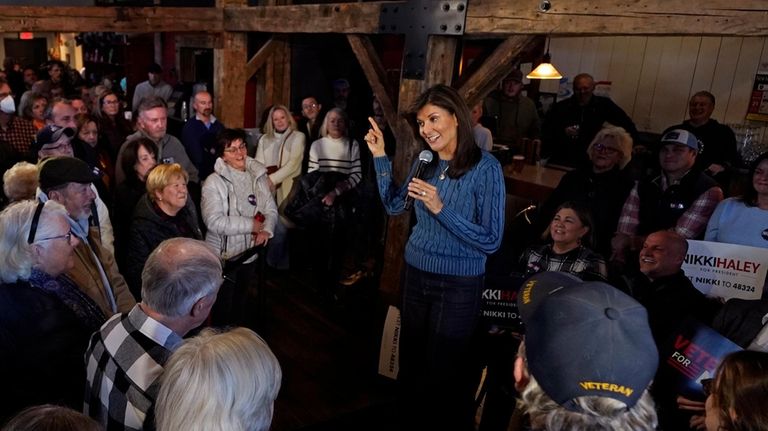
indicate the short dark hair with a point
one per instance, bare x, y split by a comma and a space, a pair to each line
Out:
225, 138
49, 417
705, 93
48, 115
131, 154
585, 217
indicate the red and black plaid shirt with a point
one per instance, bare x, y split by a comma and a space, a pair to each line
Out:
19, 135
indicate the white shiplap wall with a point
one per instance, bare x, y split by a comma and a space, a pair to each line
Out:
652, 78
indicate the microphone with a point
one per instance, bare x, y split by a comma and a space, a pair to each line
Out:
425, 158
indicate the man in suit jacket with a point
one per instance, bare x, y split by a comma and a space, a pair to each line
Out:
741, 320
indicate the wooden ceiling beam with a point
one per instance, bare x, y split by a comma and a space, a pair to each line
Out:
616, 17
484, 18
504, 17
118, 19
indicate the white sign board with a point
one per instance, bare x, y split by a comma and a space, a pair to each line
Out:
726, 270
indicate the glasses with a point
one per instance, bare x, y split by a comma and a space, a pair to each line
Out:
605, 149
707, 386
111, 102
35, 222
62, 145
310, 106
67, 236
236, 148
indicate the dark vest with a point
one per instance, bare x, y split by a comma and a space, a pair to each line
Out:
660, 210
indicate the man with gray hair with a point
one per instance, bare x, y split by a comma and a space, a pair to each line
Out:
126, 357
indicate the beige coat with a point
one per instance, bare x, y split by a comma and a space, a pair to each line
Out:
86, 275
286, 154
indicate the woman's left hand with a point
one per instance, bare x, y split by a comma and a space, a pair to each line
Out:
261, 238
427, 193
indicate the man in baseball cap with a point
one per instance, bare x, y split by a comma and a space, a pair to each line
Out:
680, 198
53, 140
588, 356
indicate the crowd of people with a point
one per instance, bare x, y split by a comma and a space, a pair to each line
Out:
122, 240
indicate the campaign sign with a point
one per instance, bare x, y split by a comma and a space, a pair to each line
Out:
694, 355
498, 305
726, 270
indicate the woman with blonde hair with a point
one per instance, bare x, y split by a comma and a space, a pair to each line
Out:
281, 150
165, 211
224, 381
20, 182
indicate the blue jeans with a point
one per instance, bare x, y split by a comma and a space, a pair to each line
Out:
438, 318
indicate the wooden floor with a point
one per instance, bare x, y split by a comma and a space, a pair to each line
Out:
328, 350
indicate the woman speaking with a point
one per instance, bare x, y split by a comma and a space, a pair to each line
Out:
459, 205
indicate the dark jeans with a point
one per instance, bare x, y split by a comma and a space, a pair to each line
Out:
231, 303
439, 315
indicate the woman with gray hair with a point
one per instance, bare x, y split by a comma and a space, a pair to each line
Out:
45, 319
219, 381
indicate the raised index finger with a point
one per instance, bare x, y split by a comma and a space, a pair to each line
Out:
374, 126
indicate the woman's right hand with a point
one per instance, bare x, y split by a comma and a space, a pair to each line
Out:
375, 139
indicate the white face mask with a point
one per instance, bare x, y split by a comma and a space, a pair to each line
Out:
7, 105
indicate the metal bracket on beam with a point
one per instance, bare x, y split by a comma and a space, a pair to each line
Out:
417, 19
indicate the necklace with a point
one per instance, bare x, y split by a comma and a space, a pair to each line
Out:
442, 174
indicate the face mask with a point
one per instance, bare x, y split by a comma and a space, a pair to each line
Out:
7, 105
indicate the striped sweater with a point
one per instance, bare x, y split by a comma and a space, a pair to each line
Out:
458, 239
337, 155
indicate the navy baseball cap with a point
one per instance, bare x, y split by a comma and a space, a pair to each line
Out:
589, 339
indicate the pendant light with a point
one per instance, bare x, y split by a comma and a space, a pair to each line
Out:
545, 70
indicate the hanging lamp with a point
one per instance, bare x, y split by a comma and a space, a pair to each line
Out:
545, 70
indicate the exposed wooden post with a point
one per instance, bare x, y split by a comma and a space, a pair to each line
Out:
441, 56
229, 73
440, 64
278, 74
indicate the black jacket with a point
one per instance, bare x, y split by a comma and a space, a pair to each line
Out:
660, 210
148, 230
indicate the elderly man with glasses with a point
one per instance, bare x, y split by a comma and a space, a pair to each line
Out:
67, 180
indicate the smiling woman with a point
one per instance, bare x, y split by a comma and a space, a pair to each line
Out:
569, 235
459, 208
240, 214
164, 212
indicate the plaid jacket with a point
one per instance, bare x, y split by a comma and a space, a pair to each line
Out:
581, 262
124, 362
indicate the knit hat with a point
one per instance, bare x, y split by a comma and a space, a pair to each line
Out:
589, 339
681, 137
57, 171
50, 134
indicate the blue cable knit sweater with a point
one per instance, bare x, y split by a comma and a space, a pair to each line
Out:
457, 240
